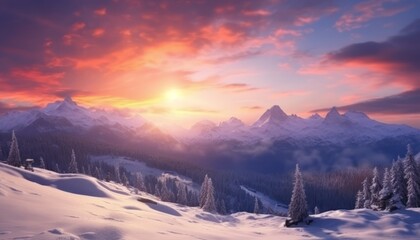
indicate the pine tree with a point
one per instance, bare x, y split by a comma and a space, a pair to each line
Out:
316, 209
57, 169
41, 163
359, 200
14, 154
124, 180
117, 174
298, 209
210, 203
412, 177
203, 192
89, 170
1, 154
182, 194
140, 182
165, 193
375, 188
399, 188
256, 206
385, 194
366, 194
73, 164
97, 174
223, 207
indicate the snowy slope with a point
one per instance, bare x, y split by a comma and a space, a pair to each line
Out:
45, 205
267, 202
133, 166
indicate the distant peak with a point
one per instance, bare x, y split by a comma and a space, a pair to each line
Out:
315, 116
232, 122
68, 99
355, 114
333, 116
332, 113
276, 108
273, 115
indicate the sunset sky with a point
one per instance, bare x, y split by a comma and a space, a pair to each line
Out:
181, 61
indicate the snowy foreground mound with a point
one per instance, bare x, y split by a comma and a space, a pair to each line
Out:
46, 205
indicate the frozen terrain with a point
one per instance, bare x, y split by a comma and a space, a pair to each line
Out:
134, 166
267, 202
46, 205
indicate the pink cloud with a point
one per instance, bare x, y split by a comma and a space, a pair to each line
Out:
100, 11
364, 12
98, 32
78, 26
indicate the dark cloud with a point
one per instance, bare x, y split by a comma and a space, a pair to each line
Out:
252, 107
399, 54
403, 103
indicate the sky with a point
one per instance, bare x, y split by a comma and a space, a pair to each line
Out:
181, 61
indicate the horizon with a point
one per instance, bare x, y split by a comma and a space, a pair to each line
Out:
322, 113
182, 62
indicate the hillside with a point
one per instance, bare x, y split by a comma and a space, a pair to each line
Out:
47, 205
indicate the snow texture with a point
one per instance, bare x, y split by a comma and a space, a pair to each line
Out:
50, 206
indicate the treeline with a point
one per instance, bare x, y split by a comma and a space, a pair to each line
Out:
399, 186
332, 190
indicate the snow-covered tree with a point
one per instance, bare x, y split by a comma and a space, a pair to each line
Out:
316, 210
83, 170
366, 194
57, 169
124, 180
181, 196
385, 194
41, 163
117, 174
399, 188
222, 209
14, 154
139, 184
298, 209
203, 192
89, 170
210, 203
97, 173
257, 208
73, 164
412, 176
359, 200
165, 193
1, 154
375, 188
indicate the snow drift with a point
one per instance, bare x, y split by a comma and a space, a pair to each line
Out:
47, 205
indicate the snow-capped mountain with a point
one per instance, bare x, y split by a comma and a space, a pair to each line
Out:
273, 116
275, 124
67, 113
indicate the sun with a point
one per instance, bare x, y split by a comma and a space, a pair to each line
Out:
172, 94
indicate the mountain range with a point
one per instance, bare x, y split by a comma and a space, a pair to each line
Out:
273, 138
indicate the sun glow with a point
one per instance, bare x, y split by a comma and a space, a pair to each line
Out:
172, 95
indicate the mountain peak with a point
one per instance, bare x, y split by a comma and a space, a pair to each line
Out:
333, 114
233, 122
274, 115
315, 116
69, 100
